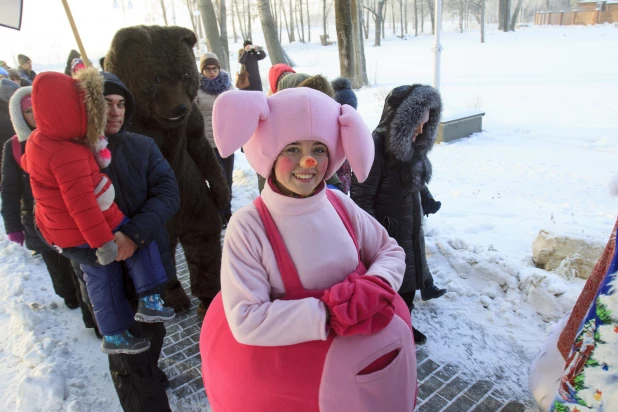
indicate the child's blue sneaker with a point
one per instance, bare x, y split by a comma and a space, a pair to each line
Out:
150, 309
124, 343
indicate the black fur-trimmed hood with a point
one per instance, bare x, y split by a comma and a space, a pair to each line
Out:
402, 114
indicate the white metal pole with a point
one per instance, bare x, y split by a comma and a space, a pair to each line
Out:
437, 47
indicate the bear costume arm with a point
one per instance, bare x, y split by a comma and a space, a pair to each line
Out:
204, 157
163, 199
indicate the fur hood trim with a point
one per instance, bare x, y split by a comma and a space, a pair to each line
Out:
90, 83
319, 83
17, 118
407, 117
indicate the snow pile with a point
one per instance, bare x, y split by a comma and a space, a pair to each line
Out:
43, 344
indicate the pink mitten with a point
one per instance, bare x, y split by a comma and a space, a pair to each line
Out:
360, 305
17, 237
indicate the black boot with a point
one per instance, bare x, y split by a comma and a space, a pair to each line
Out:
432, 292
419, 337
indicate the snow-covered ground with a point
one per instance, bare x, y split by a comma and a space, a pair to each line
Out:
543, 161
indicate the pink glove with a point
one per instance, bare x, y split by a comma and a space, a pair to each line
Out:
360, 305
17, 237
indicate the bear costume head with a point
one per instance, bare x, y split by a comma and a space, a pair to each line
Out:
163, 93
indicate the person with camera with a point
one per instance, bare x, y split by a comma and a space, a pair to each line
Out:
249, 56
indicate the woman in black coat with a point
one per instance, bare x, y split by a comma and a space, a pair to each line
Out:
18, 204
396, 193
250, 56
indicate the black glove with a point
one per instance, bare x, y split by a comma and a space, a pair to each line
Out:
431, 207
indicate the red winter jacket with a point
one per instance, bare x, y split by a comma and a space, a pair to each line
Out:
64, 173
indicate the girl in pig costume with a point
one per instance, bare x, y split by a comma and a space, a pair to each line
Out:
308, 318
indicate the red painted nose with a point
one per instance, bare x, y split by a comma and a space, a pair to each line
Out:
308, 162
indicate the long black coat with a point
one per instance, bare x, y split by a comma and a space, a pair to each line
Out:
250, 59
392, 193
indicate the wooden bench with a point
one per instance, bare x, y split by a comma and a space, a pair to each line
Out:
459, 124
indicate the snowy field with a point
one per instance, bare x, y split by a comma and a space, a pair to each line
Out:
543, 161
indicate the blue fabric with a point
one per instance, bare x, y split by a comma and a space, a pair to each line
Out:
105, 287
216, 86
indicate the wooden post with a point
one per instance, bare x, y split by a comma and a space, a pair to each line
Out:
561, 17
595, 16
574, 17
80, 46
549, 17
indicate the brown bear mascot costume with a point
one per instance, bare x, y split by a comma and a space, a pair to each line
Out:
158, 66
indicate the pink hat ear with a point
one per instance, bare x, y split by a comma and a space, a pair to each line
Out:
357, 142
235, 117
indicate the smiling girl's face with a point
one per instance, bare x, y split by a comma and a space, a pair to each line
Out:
294, 174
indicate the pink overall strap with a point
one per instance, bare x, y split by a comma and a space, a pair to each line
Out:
288, 272
16, 146
343, 214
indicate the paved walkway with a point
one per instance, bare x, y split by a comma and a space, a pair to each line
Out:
442, 387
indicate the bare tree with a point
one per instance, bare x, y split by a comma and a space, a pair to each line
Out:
503, 21
416, 18
483, 21
164, 12
225, 57
191, 9
384, 19
234, 24
248, 11
287, 27
422, 17
515, 13
302, 22
432, 16
377, 18
350, 42
308, 21
241, 27
291, 31
401, 17
275, 50
209, 20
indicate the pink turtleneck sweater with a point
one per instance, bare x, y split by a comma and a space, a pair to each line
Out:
323, 253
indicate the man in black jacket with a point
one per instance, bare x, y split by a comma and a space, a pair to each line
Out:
146, 192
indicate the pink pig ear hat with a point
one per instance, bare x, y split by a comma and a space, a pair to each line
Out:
265, 125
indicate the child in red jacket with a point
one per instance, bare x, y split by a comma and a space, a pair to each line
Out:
75, 207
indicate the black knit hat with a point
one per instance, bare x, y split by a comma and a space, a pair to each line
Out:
113, 88
344, 93
23, 59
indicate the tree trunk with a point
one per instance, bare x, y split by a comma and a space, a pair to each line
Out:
209, 20
406, 15
432, 16
367, 26
234, 25
378, 20
241, 26
308, 22
461, 15
483, 21
515, 13
324, 19
302, 20
248, 11
350, 42
225, 58
393, 21
503, 20
291, 31
164, 12
401, 18
383, 24
281, 10
190, 8
416, 18
422, 17
275, 50
287, 27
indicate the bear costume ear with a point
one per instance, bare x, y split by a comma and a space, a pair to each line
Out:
127, 37
186, 36
357, 142
235, 117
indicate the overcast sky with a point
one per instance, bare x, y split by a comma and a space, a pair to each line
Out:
46, 35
